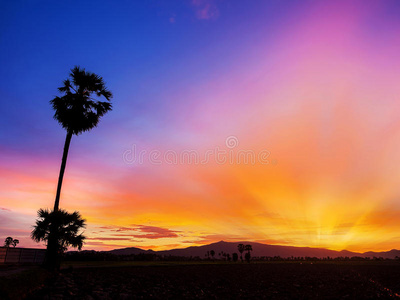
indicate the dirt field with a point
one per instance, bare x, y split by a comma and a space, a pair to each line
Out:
228, 281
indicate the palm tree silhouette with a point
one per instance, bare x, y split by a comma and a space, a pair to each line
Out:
241, 249
15, 243
234, 256
248, 248
77, 111
8, 241
212, 252
67, 225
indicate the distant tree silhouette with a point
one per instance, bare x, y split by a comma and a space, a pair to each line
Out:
78, 110
247, 256
235, 257
224, 255
15, 243
67, 226
8, 241
241, 250
212, 252
248, 248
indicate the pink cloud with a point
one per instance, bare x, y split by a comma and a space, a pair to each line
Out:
123, 229
141, 231
152, 232
205, 9
109, 239
102, 245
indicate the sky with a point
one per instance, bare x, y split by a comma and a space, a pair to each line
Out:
268, 121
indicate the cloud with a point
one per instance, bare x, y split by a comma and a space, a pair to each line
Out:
205, 9
387, 217
142, 231
124, 229
109, 239
15, 221
6, 209
102, 246
107, 227
172, 19
152, 232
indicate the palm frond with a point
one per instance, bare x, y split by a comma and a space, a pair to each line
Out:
66, 225
77, 110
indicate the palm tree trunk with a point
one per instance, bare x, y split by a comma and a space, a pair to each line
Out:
52, 259
62, 169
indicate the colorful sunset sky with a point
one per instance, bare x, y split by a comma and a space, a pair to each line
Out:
270, 121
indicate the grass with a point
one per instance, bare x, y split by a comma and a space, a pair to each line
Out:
226, 280
19, 285
196, 274
105, 264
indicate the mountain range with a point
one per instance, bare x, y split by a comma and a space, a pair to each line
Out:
259, 250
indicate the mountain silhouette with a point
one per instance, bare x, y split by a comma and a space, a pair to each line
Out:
259, 249
131, 251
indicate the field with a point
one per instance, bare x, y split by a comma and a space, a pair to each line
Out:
366, 280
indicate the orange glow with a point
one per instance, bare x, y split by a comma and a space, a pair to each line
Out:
320, 93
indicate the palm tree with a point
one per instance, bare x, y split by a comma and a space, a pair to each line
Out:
15, 243
241, 249
212, 252
8, 241
235, 257
67, 227
78, 110
248, 248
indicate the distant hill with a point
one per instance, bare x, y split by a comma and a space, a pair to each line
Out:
130, 251
258, 250
385, 254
